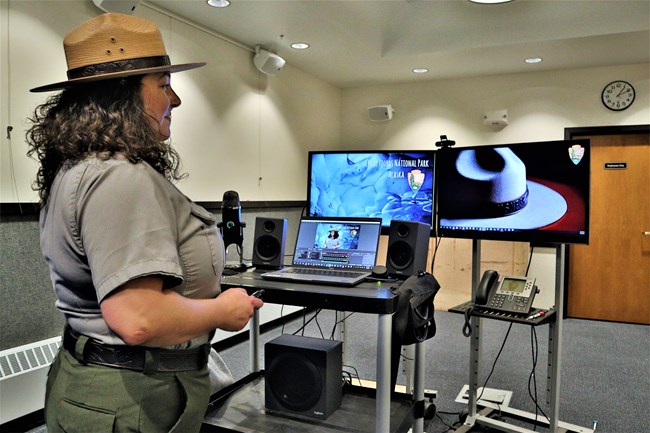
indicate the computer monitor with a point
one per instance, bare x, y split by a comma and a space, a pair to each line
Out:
391, 185
530, 192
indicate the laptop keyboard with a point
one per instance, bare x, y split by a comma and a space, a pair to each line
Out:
325, 272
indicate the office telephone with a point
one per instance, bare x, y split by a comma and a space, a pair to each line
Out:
505, 293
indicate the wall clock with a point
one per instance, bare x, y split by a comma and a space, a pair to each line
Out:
618, 95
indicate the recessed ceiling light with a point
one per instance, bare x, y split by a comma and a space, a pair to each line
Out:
490, 2
299, 45
420, 70
219, 3
533, 60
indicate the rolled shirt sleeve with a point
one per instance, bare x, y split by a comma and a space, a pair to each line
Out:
108, 222
126, 227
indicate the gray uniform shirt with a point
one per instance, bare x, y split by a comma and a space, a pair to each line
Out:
108, 222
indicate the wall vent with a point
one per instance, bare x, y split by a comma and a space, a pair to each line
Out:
23, 359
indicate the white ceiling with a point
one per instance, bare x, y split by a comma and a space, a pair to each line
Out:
366, 42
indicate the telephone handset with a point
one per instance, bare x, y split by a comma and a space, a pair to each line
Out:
505, 293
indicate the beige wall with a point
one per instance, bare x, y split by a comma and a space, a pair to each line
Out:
540, 106
236, 129
453, 266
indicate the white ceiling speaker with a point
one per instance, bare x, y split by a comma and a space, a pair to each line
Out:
119, 6
497, 119
380, 113
267, 62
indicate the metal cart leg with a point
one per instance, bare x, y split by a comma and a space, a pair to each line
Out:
382, 421
254, 349
418, 387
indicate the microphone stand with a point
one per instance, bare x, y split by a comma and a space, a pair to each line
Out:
241, 267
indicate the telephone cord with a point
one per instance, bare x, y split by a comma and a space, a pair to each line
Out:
467, 326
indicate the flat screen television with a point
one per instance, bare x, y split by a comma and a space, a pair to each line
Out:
529, 192
391, 185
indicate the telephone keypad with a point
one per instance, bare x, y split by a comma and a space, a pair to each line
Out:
514, 303
498, 300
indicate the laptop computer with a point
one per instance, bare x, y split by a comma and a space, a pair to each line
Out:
332, 250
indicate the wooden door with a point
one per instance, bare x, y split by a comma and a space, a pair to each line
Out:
610, 278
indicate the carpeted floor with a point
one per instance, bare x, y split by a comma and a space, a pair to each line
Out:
605, 367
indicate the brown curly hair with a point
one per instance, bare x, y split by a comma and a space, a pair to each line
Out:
103, 119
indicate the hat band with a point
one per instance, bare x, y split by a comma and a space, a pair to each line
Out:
493, 210
118, 66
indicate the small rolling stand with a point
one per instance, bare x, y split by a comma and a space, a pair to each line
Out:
241, 407
553, 318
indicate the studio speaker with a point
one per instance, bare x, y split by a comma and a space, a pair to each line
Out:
303, 376
119, 6
408, 248
268, 244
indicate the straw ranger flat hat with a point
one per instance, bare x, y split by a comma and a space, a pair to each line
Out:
111, 46
492, 191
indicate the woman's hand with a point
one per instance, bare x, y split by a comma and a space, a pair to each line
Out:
238, 308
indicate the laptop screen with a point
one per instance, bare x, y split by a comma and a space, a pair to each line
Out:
340, 243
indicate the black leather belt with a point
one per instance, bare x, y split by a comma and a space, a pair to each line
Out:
139, 358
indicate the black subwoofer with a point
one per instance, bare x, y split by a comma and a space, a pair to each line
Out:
303, 376
268, 244
408, 248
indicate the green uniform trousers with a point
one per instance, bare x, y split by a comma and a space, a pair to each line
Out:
89, 398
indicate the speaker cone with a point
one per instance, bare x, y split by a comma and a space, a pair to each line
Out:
267, 248
400, 255
297, 395
402, 230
